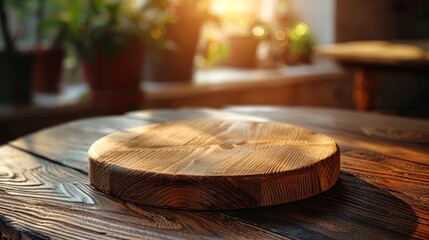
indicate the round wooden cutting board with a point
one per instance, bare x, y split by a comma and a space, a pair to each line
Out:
214, 164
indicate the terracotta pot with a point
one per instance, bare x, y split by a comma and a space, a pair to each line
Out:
242, 51
114, 81
297, 59
178, 65
294, 59
16, 72
48, 70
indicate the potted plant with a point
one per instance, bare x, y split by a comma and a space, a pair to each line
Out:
244, 47
38, 68
299, 45
49, 50
16, 67
175, 63
110, 39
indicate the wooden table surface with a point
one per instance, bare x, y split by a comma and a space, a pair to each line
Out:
383, 191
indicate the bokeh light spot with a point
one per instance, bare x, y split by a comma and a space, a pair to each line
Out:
301, 29
280, 35
258, 31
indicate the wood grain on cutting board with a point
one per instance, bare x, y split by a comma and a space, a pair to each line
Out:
214, 164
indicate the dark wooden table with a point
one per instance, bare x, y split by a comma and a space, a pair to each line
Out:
383, 191
370, 57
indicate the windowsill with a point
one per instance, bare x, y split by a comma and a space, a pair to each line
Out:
228, 79
206, 81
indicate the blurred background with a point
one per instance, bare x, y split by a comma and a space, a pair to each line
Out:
62, 60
